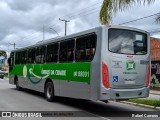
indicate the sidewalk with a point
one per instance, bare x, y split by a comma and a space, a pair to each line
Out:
154, 95
155, 92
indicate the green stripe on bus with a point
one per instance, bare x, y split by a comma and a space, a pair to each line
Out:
79, 72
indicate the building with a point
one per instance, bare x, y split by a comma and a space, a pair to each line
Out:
155, 61
155, 49
3, 63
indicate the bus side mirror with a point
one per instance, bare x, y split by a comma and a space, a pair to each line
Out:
9, 61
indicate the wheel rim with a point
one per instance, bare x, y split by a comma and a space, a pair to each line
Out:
49, 91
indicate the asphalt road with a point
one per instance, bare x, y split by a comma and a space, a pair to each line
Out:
27, 100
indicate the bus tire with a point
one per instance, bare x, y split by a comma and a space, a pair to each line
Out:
49, 92
17, 84
106, 101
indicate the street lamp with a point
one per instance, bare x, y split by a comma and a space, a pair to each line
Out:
54, 30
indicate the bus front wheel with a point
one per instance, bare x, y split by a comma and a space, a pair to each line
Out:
49, 92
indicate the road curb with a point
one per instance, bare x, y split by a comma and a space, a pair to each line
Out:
142, 105
155, 93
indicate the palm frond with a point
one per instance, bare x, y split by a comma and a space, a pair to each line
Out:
109, 8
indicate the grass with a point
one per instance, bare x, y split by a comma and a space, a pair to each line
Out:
155, 103
6, 75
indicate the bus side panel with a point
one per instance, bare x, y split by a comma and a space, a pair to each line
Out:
26, 83
96, 67
40, 86
74, 89
11, 79
104, 93
37, 87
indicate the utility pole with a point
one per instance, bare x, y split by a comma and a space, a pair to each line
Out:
65, 25
43, 33
14, 44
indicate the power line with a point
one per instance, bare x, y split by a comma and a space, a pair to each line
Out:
66, 16
77, 16
74, 16
155, 30
85, 13
83, 9
71, 19
140, 18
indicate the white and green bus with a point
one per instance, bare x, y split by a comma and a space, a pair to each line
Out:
103, 63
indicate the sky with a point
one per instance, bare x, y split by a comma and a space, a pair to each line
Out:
22, 21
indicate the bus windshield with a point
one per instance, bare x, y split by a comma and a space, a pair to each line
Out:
127, 42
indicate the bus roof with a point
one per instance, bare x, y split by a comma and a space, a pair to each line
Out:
62, 38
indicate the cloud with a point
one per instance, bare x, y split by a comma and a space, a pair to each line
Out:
22, 20
138, 12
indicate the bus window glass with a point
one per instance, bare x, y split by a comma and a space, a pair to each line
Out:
52, 53
85, 48
40, 54
18, 57
127, 42
23, 59
43, 54
31, 55
12, 59
66, 51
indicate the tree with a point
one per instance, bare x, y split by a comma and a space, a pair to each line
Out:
111, 7
3, 53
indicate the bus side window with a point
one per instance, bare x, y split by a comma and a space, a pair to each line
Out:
33, 52
43, 54
31, 55
26, 57
66, 51
18, 57
52, 53
85, 48
40, 54
37, 55
23, 57
11, 61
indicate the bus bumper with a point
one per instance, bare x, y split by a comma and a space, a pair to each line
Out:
122, 94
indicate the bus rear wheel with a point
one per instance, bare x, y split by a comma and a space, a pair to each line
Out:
49, 92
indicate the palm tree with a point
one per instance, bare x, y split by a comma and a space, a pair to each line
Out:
111, 7
3, 53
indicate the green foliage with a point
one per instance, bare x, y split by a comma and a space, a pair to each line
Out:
155, 103
6, 76
111, 7
3, 53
